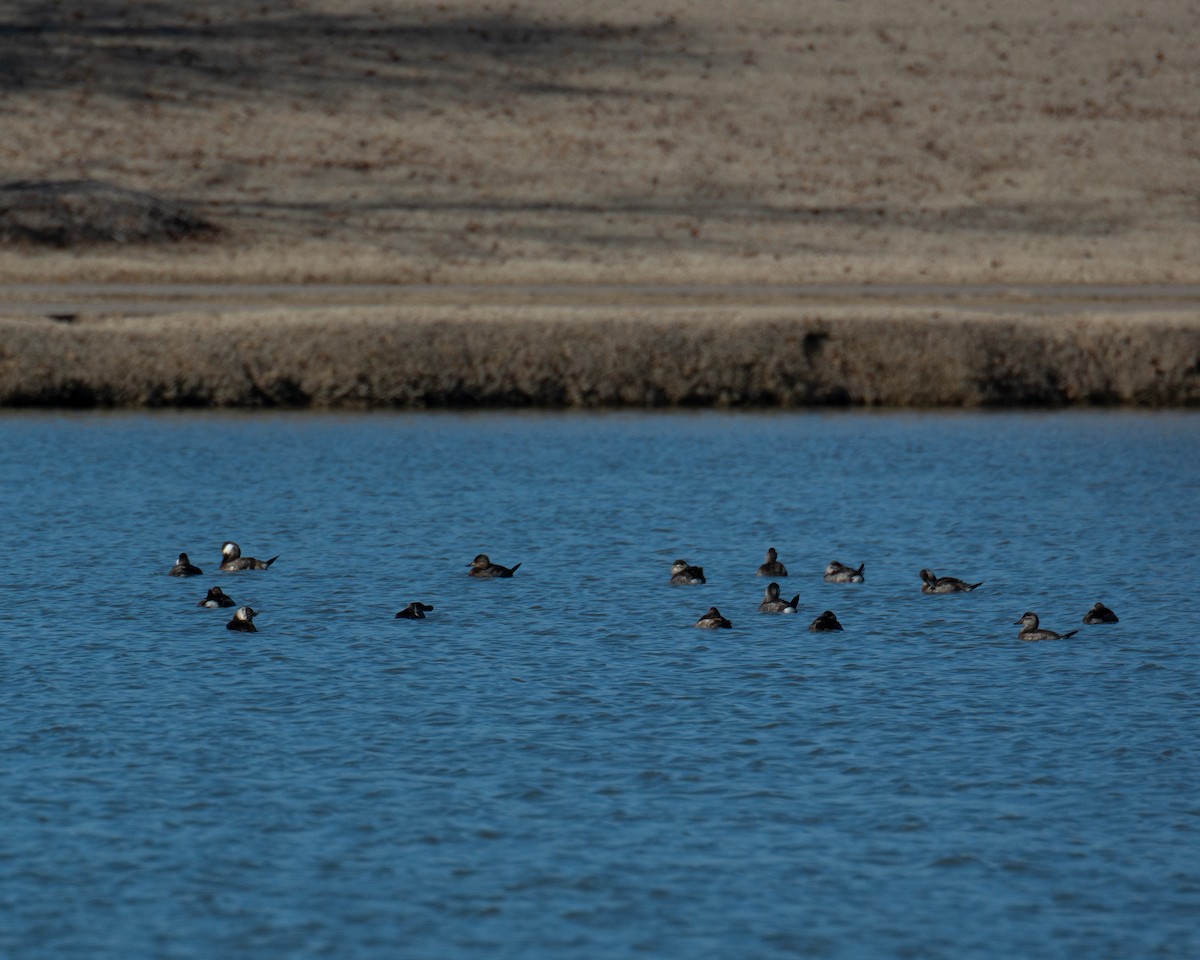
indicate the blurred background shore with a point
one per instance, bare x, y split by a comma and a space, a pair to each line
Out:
519, 147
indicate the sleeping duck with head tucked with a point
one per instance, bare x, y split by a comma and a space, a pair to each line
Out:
1100, 614
840, 573
683, 572
935, 584
712, 620
217, 598
825, 623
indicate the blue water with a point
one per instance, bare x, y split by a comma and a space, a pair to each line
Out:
559, 765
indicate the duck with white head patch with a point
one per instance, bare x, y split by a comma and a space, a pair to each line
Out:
243, 620
232, 559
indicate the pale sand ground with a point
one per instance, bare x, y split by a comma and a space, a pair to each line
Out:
667, 143
663, 141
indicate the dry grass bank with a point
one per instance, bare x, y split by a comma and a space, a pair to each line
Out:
574, 357
670, 142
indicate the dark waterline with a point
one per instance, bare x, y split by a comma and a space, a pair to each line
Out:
558, 764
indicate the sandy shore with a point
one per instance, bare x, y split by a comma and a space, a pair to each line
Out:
667, 142
549, 143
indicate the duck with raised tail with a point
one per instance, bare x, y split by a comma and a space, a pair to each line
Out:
483, 567
840, 573
772, 603
1031, 630
232, 559
931, 583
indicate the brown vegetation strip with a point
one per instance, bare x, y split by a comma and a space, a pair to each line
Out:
571, 358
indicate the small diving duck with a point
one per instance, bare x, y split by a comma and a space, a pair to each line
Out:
481, 566
216, 598
936, 584
1029, 630
243, 620
772, 568
840, 573
684, 573
1100, 614
185, 568
772, 604
712, 620
414, 611
825, 622
232, 559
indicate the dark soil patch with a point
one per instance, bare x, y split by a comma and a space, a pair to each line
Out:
68, 213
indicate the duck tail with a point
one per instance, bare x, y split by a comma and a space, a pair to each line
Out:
859, 571
271, 561
1069, 633
516, 567
979, 584
795, 602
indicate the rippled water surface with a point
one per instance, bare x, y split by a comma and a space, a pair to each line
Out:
559, 765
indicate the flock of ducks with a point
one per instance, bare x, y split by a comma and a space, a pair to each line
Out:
231, 561
243, 617
682, 574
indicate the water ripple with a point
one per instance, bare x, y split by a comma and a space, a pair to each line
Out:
559, 764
